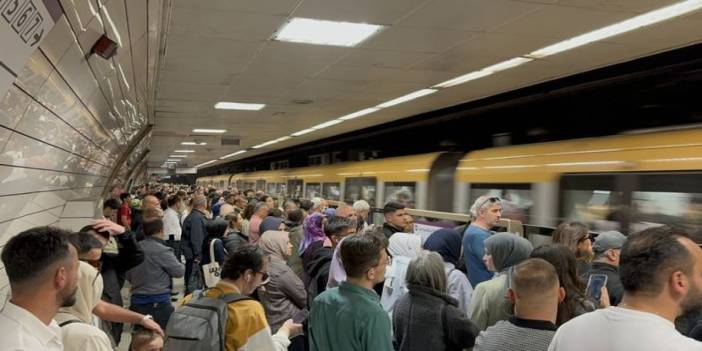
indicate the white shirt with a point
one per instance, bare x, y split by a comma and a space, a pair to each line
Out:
84, 337
171, 223
458, 287
21, 330
617, 328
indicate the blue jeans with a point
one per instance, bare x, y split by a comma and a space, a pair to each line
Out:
161, 311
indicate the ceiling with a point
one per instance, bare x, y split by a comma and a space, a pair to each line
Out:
221, 50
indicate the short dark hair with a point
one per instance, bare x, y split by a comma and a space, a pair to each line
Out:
123, 196
84, 242
359, 253
337, 225
111, 203
244, 257
650, 256
531, 277
306, 204
276, 212
173, 200
89, 229
28, 254
296, 216
393, 206
217, 227
152, 227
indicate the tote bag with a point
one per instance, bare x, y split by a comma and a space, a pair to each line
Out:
211, 271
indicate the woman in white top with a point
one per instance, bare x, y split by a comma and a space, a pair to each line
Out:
448, 244
403, 248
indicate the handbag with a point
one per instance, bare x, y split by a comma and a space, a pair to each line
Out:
211, 271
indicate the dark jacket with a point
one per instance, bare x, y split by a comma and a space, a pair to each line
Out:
389, 230
614, 284
114, 266
425, 319
233, 240
317, 271
194, 233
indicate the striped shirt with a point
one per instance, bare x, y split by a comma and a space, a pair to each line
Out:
516, 334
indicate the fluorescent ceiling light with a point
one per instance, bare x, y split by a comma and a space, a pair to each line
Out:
320, 32
646, 19
205, 163
238, 106
358, 113
192, 143
303, 132
283, 138
233, 154
170, 160
411, 96
504, 65
264, 144
177, 156
185, 151
213, 131
464, 78
327, 124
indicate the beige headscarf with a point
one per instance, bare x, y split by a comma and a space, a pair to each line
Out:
274, 242
89, 292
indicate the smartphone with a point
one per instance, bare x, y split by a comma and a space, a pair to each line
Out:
300, 316
594, 286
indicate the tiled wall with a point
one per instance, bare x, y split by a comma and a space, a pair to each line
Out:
70, 116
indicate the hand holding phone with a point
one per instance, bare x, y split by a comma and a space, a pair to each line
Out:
594, 286
300, 316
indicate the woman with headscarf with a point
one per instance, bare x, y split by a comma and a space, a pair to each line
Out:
448, 243
313, 229
284, 294
272, 223
403, 248
489, 304
77, 330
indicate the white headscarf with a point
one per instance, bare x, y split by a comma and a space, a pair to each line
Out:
403, 247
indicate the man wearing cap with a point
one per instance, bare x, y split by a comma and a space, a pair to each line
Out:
607, 248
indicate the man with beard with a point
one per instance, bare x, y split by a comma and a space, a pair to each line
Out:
43, 271
661, 272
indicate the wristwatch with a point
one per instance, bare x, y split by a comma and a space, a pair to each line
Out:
146, 318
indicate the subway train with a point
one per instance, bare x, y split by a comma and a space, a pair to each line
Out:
626, 182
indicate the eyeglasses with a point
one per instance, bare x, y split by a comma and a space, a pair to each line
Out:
490, 199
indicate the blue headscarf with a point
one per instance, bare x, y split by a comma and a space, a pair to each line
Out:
447, 243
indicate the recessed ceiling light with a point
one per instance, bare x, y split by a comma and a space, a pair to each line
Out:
185, 151
411, 96
238, 106
178, 156
320, 32
213, 131
358, 113
303, 132
193, 143
232, 154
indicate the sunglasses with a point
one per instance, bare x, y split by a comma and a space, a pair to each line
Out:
490, 199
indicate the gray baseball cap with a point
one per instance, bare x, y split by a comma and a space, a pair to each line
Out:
609, 240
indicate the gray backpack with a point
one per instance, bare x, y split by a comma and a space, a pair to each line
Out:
201, 323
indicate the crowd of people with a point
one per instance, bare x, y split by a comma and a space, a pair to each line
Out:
263, 274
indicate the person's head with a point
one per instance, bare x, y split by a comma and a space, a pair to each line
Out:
247, 267
125, 197
249, 193
249, 211
271, 223
276, 212
154, 228
110, 208
150, 201
486, 211
262, 209
427, 271
362, 209
608, 246
364, 258
394, 213
665, 265
268, 200
346, 211
217, 227
447, 243
409, 224
102, 236
306, 205
575, 236
563, 260
318, 205
42, 260
504, 250
151, 213
404, 244
88, 247
199, 202
233, 219
534, 290
338, 228
276, 243
240, 202
289, 205
295, 217
146, 340
174, 202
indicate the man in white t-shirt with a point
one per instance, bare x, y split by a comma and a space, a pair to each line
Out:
661, 272
42, 267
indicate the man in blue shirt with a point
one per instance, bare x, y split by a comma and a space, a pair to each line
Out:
486, 212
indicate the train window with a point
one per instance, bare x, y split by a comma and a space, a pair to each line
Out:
261, 185
249, 185
594, 199
295, 188
361, 188
516, 199
270, 188
221, 183
313, 190
403, 192
280, 189
649, 208
331, 191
